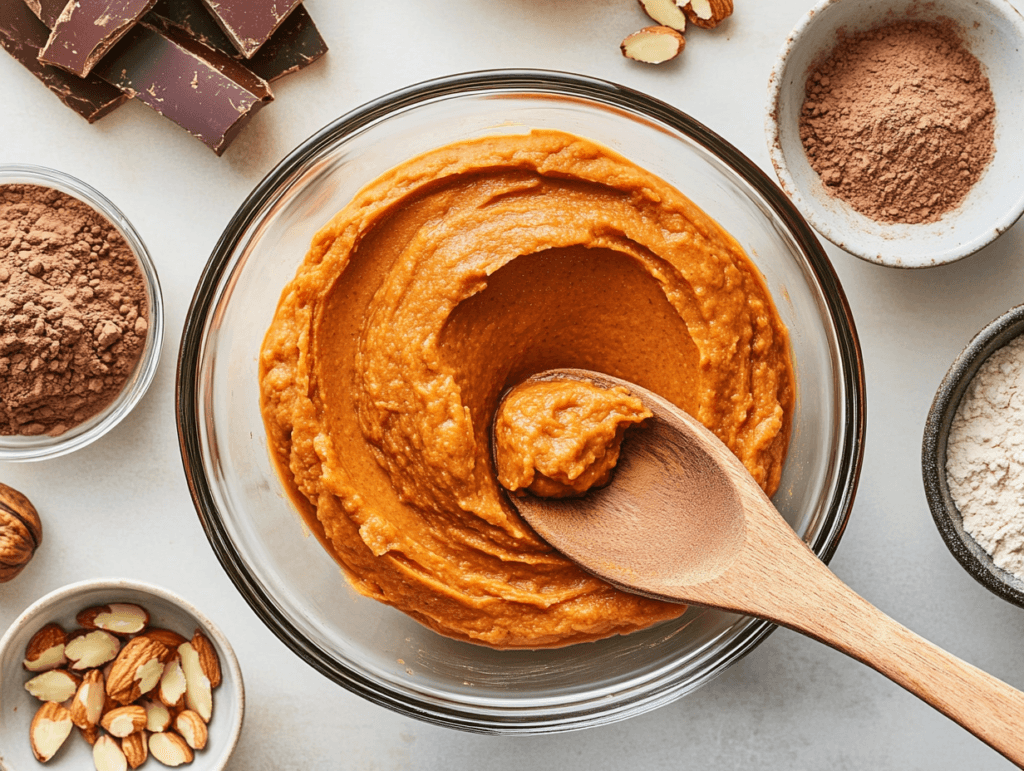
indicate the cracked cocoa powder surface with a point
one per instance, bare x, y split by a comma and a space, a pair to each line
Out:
73, 313
899, 121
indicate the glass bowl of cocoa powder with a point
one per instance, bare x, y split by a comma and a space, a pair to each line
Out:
81, 315
895, 127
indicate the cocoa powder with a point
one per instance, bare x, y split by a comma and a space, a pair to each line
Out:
899, 121
73, 312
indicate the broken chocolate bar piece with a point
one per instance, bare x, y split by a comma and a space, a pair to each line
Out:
296, 43
250, 23
87, 29
205, 92
24, 35
47, 11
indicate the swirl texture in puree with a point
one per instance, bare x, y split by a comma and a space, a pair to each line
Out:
455, 275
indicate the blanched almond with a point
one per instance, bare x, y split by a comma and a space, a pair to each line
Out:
50, 727
45, 650
170, 749
121, 618
88, 649
57, 685
107, 755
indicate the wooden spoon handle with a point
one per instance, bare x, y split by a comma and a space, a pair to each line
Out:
984, 705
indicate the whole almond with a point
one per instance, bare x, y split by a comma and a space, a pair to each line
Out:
137, 669
135, 748
50, 727
45, 650
120, 618
107, 755
170, 749
192, 729
125, 720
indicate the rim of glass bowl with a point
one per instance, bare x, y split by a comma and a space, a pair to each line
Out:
45, 447
534, 718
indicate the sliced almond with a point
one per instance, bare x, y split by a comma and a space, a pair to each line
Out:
50, 727
706, 13
158, 717
57, 685
170, 749
135, 748
172, 684
192, 729
45, 650
88, 649
120, 618
123, 721
208, 658
198, 689
653, 45
666, 13
87, 707
107, 755
169, 638
137, 669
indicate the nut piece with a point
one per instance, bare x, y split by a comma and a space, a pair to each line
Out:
706, 13
666, 13
198, 688
46, 649
88, 649
90, 734
87, 707
137, 669
170, 749
165, 636
192, 729
135, 748
172, 684
653, 45
121, 618
208, 659
158, 717
50, 727
21, 532
57, 685
123, 721
107, 755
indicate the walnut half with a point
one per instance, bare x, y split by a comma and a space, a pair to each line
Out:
21, 532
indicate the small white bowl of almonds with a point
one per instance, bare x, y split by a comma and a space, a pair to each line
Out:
114, 674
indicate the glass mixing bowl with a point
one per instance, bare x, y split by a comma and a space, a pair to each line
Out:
291, 581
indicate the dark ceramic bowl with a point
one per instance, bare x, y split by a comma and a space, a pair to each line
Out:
968, 553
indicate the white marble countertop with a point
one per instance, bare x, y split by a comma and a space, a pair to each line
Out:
121, 506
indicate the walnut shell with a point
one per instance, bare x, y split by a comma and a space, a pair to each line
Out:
21, 532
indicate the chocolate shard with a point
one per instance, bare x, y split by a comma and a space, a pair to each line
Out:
296, 44
87, 29
205, 92
250, 23
23, 36
47, 11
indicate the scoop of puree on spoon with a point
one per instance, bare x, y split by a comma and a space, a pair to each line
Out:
682, 520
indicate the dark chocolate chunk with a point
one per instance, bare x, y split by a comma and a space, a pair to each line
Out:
250, 23
47, 11
23, 35
87, 29
296, 43
205, 92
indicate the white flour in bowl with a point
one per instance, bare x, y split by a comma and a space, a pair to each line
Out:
985, 457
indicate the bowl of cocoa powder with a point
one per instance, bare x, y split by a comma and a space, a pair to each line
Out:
81, 317
897, 128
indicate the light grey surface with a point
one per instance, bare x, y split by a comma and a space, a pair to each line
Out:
121, 506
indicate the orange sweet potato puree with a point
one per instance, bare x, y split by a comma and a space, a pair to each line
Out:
462, 272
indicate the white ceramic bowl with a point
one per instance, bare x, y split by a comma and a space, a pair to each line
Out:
166, 610
993, 31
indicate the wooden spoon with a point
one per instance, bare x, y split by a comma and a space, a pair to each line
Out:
682, 520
